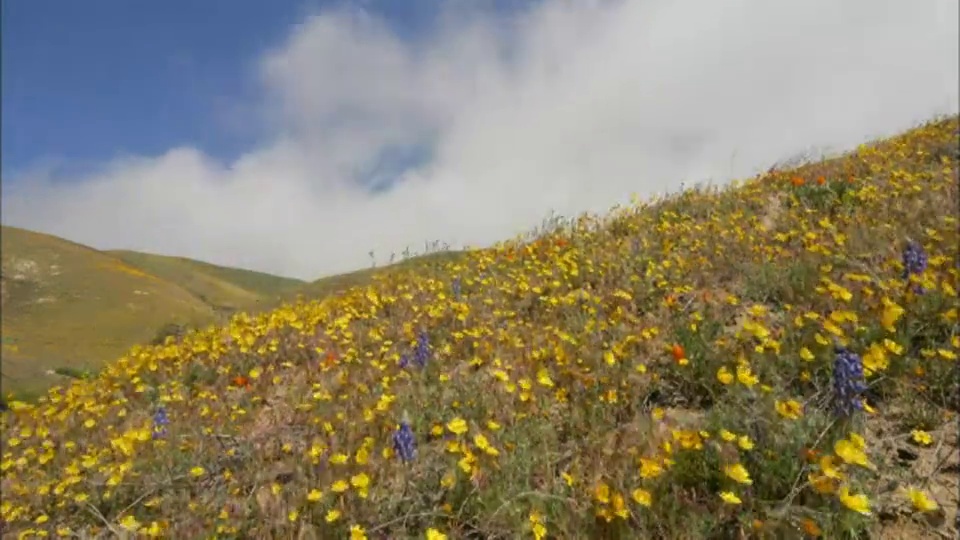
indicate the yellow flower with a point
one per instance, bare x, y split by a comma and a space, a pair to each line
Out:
543, 377
340, 486
433, 534
357, 533
921, 437
332, 515
314, 495
197, 471
360, 480
642, 497
852, 453
458, 426
745, 376
650, 468
858, 503
724, 375
891, 314
738, 473
619, 508
129, 522
730, 498
448, 480
791, 409
602, 493
483, 444
921, 501
875, 359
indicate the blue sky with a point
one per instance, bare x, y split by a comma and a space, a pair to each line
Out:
295, 137
84, 82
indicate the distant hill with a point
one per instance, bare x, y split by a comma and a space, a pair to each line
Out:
70, 308
228, 289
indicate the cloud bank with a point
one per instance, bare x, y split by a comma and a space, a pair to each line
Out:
477, 131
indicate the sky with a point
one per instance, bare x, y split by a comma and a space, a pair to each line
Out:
297, 137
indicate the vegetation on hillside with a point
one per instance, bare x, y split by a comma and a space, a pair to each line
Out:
229, 289
69, 307
67, 311
776, 359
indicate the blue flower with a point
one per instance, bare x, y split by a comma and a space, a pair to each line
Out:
160, 422
422, 353
914, 263
848, 381
404, 443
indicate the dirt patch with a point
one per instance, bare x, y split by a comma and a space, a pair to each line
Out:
932, 469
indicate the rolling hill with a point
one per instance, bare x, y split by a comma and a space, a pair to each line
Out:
226, 289
69, 308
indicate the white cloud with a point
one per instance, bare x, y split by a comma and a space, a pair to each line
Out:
570, 106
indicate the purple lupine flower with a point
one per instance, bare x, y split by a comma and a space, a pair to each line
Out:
848, 381
404, 360
914, 263
404, 442
422, 353
160, 422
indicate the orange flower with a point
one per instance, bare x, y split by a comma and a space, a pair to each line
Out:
329, 360
810, 455
810, 527
678, 352
241, 382
821, 180
798, 181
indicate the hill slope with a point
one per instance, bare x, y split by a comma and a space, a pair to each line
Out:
229, 289
65, 305
332, 285
777, 357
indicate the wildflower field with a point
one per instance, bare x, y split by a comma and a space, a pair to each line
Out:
776, 359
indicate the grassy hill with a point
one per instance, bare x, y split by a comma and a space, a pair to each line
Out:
65, 305
773, 360
70, 308
229, 289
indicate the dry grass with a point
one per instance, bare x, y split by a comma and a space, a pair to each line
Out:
231, 289
665, 371
67, 306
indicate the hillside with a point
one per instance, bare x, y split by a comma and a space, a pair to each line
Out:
65, 305
776, 359
229, 289
340, 283
73, 308
70, 308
